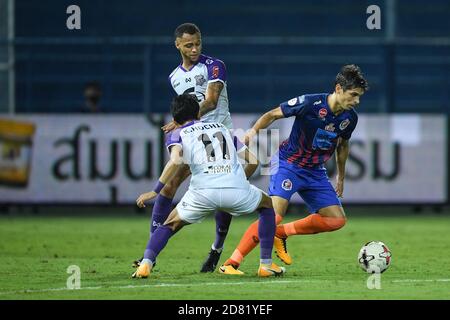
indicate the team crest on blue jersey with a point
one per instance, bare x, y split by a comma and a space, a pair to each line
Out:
292, 102
287, 184
344, 124
323, 113
330, 127
199, 80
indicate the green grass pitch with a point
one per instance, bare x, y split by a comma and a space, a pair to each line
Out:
35, 252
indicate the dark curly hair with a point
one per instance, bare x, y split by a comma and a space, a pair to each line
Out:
188, 28
351, 77
184, 107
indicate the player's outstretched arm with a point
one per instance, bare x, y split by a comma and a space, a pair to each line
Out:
251, 162
342, 152
212, 97
176, 160
266, 120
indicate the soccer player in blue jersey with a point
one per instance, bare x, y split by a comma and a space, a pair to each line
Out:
205, 78
323, 124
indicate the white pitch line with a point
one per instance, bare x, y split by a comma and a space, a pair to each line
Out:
421, 280
206, 284
158, 285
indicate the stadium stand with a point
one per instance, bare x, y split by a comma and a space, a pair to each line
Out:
272, 50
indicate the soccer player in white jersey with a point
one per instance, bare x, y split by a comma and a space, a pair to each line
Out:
205, 78
218, 182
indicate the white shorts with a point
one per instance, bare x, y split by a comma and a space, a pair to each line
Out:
197, 204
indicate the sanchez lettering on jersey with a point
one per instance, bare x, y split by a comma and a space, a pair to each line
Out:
315, 131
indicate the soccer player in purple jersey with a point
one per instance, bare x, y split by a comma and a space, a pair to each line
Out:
323, 124
205, 78
218, 181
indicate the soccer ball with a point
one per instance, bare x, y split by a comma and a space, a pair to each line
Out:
374, 257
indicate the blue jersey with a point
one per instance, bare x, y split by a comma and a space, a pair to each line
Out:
315, 131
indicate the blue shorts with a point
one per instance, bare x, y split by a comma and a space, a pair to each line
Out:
312, 185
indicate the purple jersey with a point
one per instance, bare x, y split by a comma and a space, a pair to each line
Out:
195, 81
315, 131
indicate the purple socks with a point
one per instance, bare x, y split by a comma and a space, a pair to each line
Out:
157, 242
223, 220
163, 207
266, 232
161, 210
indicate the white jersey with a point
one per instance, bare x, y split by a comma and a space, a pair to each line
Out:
211, 153
196, 80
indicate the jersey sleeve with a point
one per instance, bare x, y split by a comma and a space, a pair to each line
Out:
294, 107
173, 138
347, 134
170, 79
217, 71
170, 83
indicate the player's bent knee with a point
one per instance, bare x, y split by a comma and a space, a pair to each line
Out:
174, 221
335, 223
175, 225
266, 202
280, 206
340, 223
